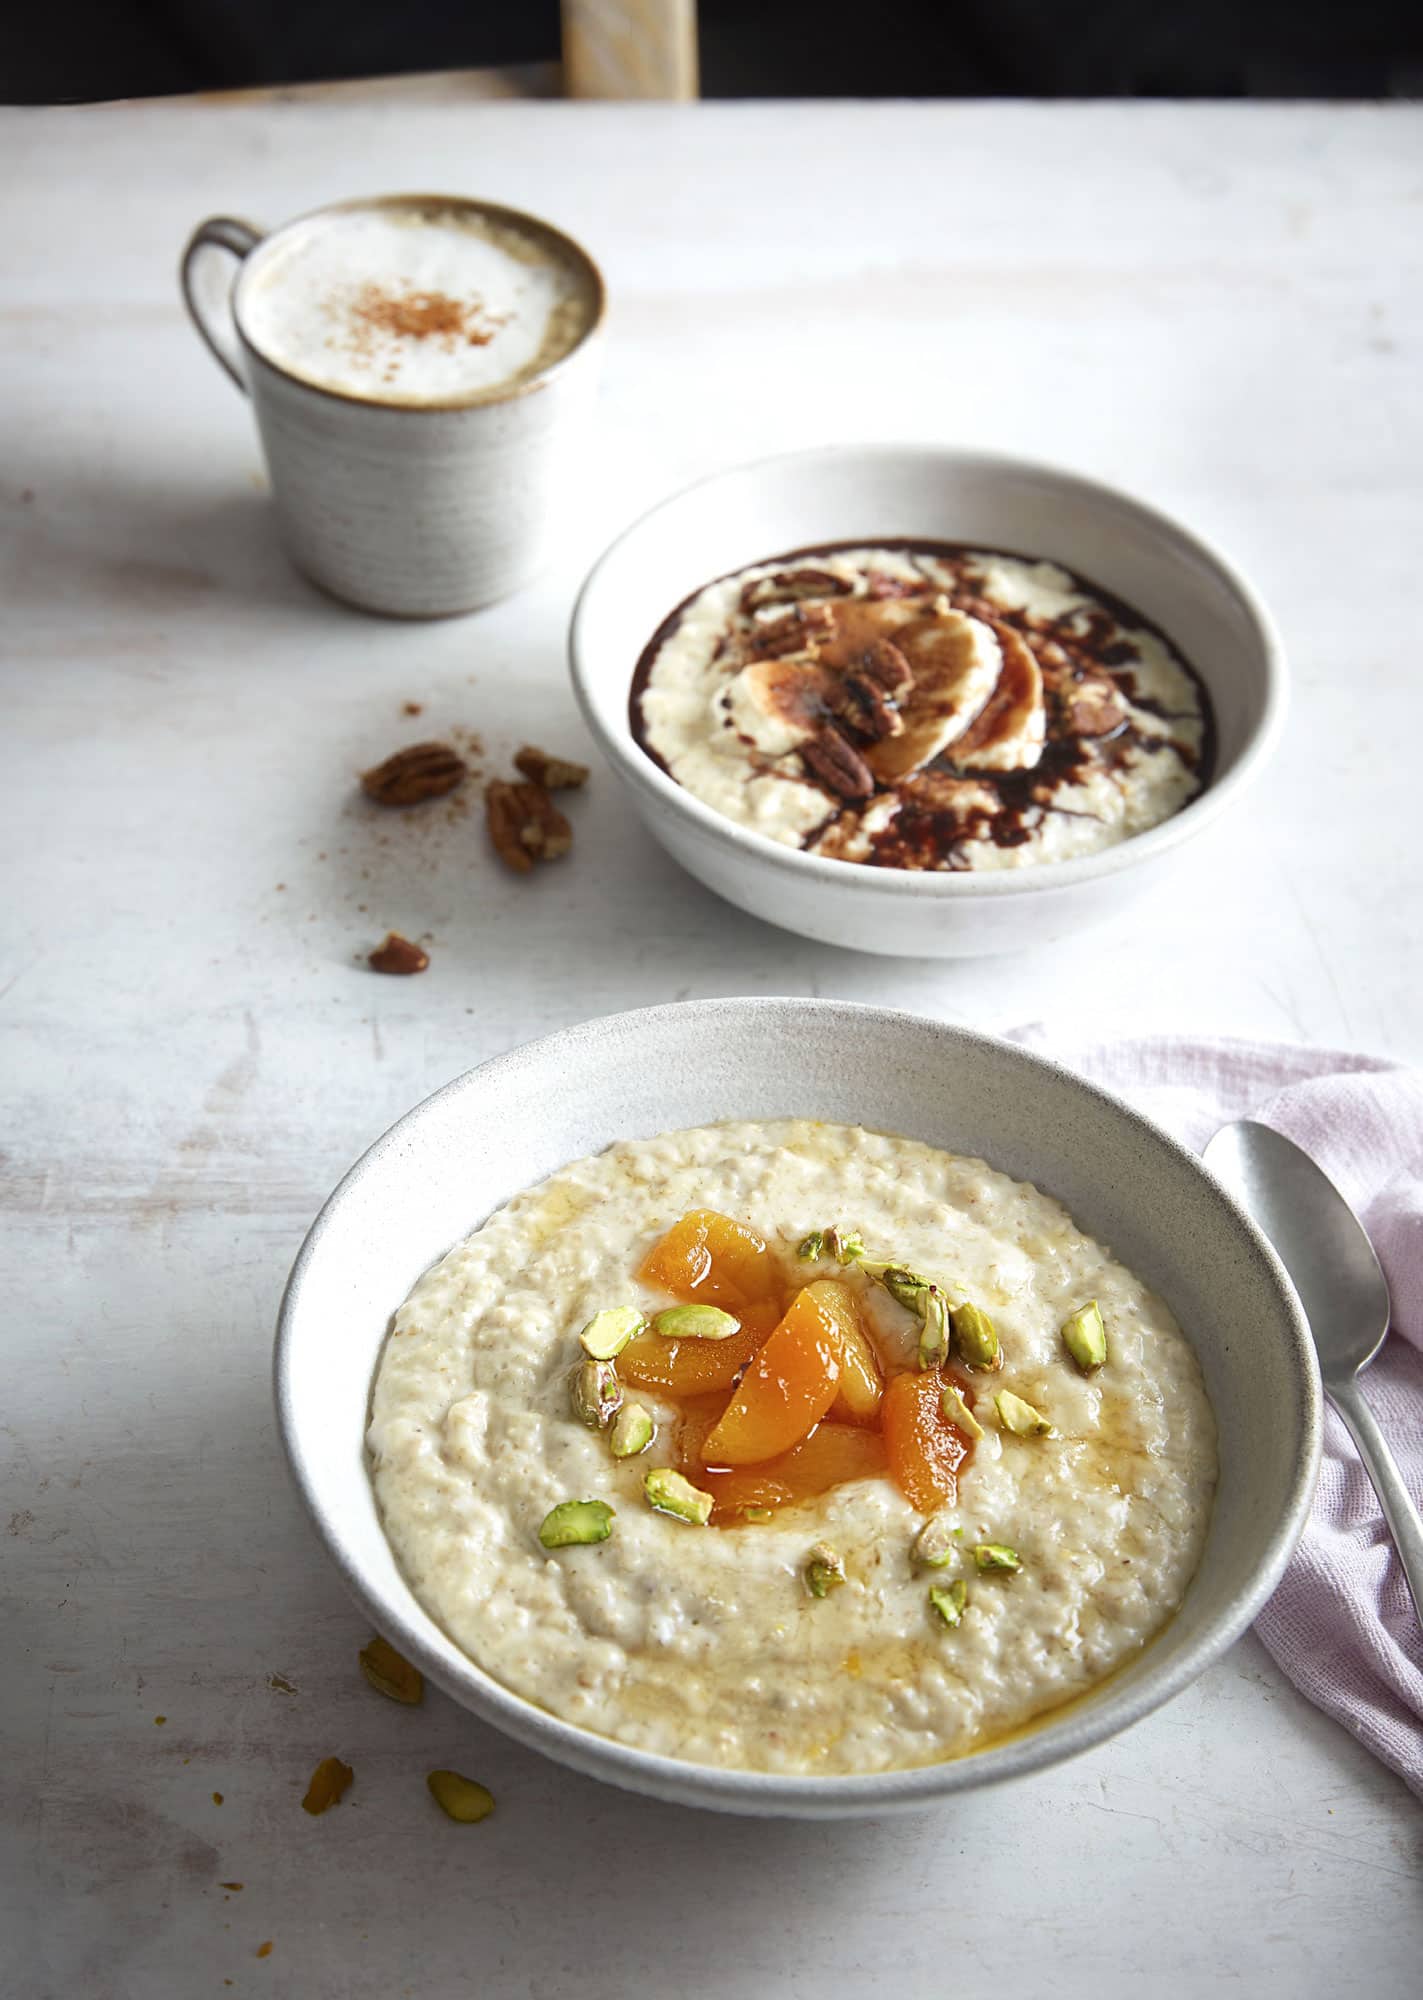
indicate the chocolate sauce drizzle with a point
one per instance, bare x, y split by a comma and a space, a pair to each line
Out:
922, 836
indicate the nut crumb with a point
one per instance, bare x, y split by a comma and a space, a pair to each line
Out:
265, 1950
233, 1886
555, 774
281, 1685
217, 1798
398, 955
413, 708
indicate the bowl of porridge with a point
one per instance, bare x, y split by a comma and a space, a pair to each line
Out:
795, 1408
923, 701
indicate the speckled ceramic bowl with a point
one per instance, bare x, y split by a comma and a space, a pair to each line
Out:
867, 492
453, 1159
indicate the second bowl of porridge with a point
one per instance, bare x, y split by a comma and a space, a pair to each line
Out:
921, 701
793, 1407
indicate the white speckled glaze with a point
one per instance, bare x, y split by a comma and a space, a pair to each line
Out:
849, 493
501, 1128
415, 510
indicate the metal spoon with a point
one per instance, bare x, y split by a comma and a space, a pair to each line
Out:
1322, 1245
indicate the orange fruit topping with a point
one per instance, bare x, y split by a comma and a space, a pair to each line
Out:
709, 1259
925, 1450
785, 1392
681, 1368
861, 1384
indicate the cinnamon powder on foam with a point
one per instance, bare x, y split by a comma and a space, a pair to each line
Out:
424, 315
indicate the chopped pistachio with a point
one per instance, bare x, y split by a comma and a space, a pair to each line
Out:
996, 1555
949, 1600
1086, 1337
572, 1523
844, 1249
595, 1393
1019, 1417
632, 1431
760, 1515
905, 1286
330, 1782
933, 1545
811, 1248
957, 1411
390, 1673
609, 1331
934, 1334
461, 1799
976, 1337
824, 1570
696, 1323
670, 1493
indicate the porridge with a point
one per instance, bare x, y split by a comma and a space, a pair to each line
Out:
923, 706
791, 1447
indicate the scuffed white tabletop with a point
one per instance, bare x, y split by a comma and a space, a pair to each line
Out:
1218, 307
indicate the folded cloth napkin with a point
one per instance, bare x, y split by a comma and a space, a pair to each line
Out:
1341, 1624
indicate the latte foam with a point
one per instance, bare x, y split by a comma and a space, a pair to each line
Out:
415, 303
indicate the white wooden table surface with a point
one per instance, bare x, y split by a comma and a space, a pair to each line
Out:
1219, 307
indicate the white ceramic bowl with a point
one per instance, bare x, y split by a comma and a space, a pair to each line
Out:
497, 1129
734, 518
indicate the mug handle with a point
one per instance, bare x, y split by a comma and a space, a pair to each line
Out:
219, 232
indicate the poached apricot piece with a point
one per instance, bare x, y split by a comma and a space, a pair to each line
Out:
861, 1384
788, 1388
682, 1368
712, 1260
925, 1450
831, 1455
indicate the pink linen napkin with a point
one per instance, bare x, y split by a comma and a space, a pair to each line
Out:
1341, 1624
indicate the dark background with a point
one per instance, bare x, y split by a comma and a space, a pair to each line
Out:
749, 48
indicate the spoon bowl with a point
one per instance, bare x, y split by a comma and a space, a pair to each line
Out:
1343, 1290
1320, 1241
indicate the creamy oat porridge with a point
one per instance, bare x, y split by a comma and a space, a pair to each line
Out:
924, 706
791, 1447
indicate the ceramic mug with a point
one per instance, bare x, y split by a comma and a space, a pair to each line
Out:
414, 509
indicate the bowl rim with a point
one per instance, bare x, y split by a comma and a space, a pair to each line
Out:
1038, 1747
645, 776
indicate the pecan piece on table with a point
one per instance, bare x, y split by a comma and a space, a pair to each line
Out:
788, 586
836, 765
398, 954
863, 706
423, 771
555, 774
525, 825
794, 633
885, 663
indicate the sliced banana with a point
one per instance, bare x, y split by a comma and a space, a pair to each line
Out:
956, 661
1009, 731
778, 704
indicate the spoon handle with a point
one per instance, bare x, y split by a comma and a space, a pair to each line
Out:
1399, 1511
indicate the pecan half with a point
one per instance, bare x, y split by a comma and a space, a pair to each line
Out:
1094, 713
884, 662
863, 705
555, 774
398, 954
525, 825
795, 633
836, 765
788, 586
423, 771
879, 585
